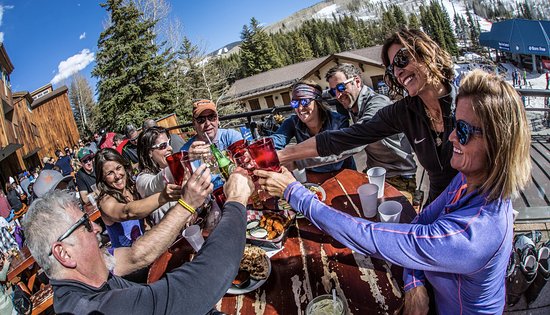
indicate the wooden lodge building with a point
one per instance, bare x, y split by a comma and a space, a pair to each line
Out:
33, 125
272, 88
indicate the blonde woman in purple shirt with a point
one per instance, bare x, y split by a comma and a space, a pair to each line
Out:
462, 241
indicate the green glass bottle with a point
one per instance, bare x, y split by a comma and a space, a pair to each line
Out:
224, 163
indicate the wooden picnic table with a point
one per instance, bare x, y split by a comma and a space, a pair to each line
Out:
312, 263
20, 263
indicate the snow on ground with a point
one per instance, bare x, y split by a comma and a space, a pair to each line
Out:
326, 12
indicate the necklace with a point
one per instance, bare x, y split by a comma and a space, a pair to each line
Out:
434, 123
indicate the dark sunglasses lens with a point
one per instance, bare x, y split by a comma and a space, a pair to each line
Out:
88, 225
462, 132
332, 92
200, 119
341, 87
401, 59
295, 103
212, 117
305, 101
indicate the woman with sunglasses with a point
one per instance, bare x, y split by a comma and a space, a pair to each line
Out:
417, 65
312, 116
462, 241
122, 210
153, 149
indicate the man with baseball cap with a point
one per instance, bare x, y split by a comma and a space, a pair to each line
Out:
206, 123
49, 180
85, 177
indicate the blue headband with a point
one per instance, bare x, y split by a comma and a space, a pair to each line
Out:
305, 91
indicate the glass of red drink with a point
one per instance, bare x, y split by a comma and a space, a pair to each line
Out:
263, 152
236, 147
176, 167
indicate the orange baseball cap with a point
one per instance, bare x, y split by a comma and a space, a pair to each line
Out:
202, 105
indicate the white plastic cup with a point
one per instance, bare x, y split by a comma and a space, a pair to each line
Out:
300, 175
368, 193
390, 211
377, 176
193, 235
92, 201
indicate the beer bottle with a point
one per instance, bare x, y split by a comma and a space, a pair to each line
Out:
224, 163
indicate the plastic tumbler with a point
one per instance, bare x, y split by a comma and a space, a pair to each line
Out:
377, 176
390, 211
264, 153
368, 193
176, 167
193, 235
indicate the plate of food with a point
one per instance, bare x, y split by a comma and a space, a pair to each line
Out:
317, 189
253, 272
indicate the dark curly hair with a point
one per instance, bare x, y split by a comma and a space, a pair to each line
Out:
423, 50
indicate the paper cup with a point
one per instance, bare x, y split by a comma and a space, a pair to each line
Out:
193, 235
368, 193
377, 176
390, 211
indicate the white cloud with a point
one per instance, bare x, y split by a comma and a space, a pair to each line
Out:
2, 8
82, 36
72, 65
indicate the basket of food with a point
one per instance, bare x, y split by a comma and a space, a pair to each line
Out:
268, 227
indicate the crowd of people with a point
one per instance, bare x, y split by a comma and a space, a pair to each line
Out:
473, 141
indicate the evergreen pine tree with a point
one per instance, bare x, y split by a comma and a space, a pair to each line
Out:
257, 52
413, 21
132, 83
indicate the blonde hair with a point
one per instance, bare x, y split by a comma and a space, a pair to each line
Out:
505, 130
424, 50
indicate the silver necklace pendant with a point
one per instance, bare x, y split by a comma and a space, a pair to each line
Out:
438, 141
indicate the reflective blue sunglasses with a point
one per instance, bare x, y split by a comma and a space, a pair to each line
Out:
303, 101
464, 131
340, 87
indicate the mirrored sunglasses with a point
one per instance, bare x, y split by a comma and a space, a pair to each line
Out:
202, 119
303, 101
464, 131
400, 60
161, 146
340, 87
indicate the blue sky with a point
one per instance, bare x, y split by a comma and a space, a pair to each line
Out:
47, 41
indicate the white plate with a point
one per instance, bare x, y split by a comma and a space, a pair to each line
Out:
253, 285
319, 188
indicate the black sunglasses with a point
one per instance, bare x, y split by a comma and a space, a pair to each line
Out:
202, 119
464, 131
161, 146
304, 102
400, 60
340, 87
87, 160
84, 220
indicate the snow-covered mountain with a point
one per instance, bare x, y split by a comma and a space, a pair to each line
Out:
372, 9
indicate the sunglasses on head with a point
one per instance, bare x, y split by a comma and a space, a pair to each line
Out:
400, 60
464, 131
303, 101
202, 119
84, 220
161, 146
340, 87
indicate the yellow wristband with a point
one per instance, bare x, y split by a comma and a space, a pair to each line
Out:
186, 206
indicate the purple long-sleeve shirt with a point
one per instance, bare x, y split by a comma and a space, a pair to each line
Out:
460, 246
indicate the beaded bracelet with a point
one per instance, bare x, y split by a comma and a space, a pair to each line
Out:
186, 206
